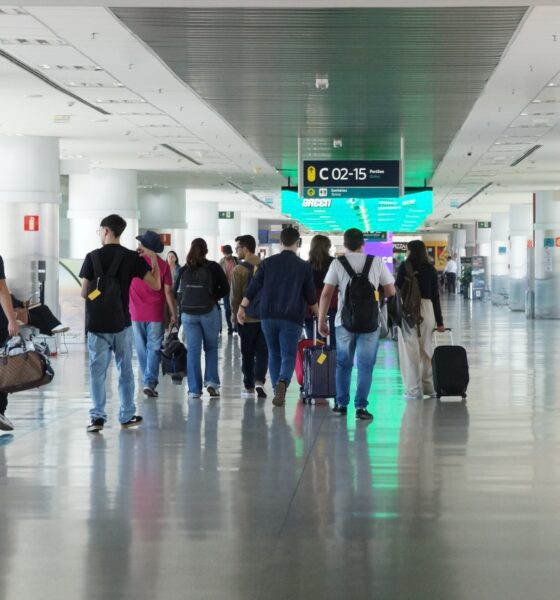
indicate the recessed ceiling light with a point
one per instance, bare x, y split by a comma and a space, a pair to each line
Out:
551, 84
45, 66
524, 114
536, 101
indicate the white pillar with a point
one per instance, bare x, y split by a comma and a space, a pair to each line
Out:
229, 229
100, 193
164, 211
470, 242
547, 255
458, 243
520, 232
500, 258
30, 199
202, 220
250, 226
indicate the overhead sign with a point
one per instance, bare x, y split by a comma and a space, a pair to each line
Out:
226, 214
549, 242
31, 223
351, 178
458, 226
484, 224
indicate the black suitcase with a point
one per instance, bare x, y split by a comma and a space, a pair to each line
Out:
173, 357
319, 370
450, 368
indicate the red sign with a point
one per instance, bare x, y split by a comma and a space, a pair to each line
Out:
558, 242
165, 239
31, 223
529, 243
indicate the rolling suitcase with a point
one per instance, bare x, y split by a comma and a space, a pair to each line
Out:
450, 369
319, 370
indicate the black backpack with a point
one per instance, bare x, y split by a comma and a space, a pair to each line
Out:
254, 309
360, 312
411, 297
105, 312
197, 286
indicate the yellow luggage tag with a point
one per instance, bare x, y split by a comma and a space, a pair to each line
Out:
96, 292
322, 358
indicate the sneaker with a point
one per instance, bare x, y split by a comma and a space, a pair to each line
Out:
6, 424
364, 414
59, 329
341, 410
95, 426
280, 393
134, 422
193, 396
260, 390
213, 392
150, 392
248, 394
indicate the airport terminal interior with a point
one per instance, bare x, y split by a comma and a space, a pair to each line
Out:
431, 120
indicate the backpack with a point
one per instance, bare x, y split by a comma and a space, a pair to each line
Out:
105, 312
411, 297
197, 286
360, 311
254, 309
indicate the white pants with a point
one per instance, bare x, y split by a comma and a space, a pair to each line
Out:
415, 354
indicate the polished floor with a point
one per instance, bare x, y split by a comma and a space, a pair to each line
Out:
233, 499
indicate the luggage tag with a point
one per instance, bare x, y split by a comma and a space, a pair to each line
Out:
322, 358
96, 292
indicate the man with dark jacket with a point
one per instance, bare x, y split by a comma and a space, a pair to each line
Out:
287, 288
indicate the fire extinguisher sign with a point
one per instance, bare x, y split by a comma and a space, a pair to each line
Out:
31, 223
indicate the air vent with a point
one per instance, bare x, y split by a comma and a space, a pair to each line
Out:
524, 156
484, 187
61, 119
32, 42
181, 154
12, 11
121, 101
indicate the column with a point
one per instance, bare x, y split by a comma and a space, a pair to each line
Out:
500, 258
520, 232
457, 243
229, 228
93, 196
202, 220
470, 242
250, 226
484, 249
164, 211
30, 199
547, 255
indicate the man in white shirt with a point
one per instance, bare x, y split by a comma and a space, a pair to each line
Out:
348, 344
450, 273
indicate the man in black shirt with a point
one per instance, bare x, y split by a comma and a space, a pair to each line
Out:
8, 327
108, 317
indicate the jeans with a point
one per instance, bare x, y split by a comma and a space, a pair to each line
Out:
282, 338
451, 280
101, 346
254, 354
309, 328
148, 338
3, 396
364, 346
202, 330
227, 311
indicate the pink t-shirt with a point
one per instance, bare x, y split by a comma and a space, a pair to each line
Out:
147, 305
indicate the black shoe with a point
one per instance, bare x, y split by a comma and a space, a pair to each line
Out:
364, 414
260, 390
95, 426
134, 422
5, 423
150, 392
341, 410
213, 392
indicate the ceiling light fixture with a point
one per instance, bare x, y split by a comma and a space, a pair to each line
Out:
322, 81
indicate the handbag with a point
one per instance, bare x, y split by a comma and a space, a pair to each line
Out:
23, 367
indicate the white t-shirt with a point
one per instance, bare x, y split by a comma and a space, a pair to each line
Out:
378, 275
450, 267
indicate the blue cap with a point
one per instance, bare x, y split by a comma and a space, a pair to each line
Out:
151, 240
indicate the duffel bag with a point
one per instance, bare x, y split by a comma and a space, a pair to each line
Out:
22, 367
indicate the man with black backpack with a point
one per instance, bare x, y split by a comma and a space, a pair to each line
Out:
254, 352
357, 321
107, 274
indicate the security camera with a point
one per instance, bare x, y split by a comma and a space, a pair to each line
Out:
469, 153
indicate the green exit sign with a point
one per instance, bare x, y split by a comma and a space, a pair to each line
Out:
458, 226
226, 214
485, 224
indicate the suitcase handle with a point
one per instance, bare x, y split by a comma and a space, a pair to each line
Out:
450, 335
315, 334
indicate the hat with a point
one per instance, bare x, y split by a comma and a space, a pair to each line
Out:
151, 240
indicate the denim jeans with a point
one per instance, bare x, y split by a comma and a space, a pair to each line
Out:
101, 346
202, 331
227, 312
364, 346
282, 338
309, 328
148, 338
254, 354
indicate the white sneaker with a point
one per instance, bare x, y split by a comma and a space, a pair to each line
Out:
6, 424
60, 329
248, 394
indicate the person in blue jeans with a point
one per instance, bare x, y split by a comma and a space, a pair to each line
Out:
107, 274
363, 346
203, 284
285, 282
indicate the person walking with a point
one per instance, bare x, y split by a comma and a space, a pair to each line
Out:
450, 274
343, 273
107, 274
415, 343
203, 284
254, 352
147, 310
174, 266
320, 261
8, 327
285, 284
228, 264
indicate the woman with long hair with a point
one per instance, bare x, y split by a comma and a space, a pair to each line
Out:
416, 343
320, 260
173, 262
203, 284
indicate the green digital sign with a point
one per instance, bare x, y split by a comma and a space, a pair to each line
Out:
405, 214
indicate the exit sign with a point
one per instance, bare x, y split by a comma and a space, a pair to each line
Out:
484, 224
226, 214
458, 226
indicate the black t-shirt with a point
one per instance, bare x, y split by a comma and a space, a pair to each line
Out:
3, 319
132, 265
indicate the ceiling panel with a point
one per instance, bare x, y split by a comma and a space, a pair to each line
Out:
418, 71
